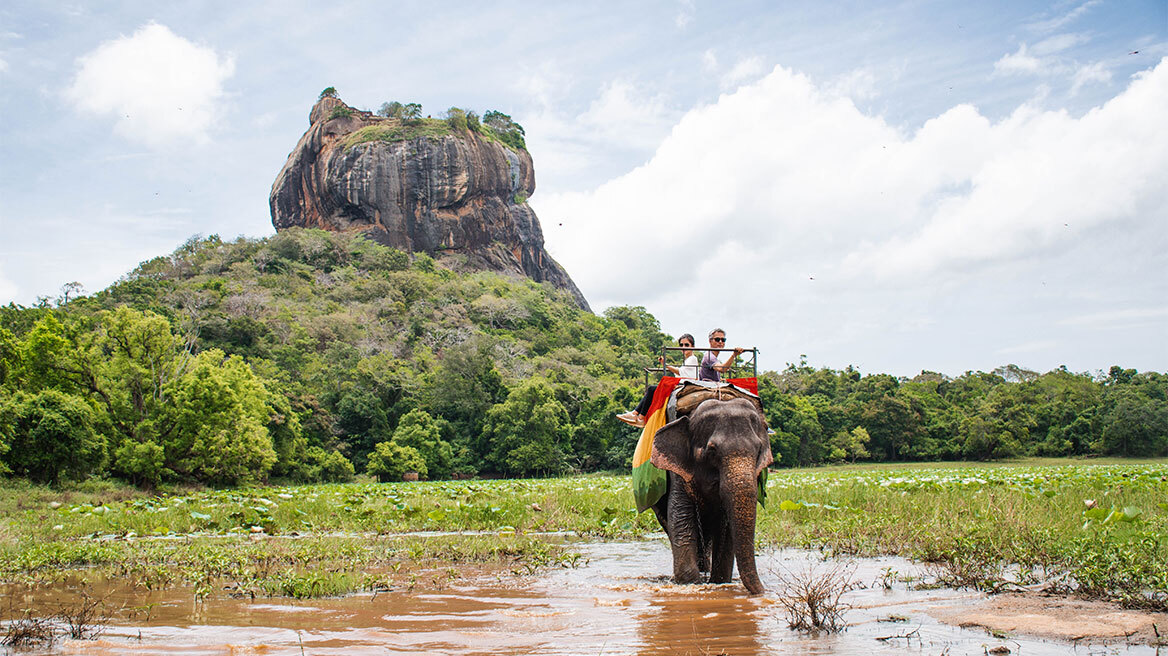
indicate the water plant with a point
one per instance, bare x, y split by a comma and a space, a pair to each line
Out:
987, 527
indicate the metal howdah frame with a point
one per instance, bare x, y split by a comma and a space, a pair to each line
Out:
747, 362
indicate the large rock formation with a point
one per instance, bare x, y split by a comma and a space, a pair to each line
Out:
417, 186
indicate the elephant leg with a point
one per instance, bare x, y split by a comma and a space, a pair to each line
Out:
722, 565
684, 536
704, 557
659, 509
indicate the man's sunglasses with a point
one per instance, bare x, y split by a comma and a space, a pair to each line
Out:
718, 339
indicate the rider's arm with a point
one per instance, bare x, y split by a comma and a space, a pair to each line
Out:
668, 367
725, 366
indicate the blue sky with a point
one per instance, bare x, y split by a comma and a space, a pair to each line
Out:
897, 186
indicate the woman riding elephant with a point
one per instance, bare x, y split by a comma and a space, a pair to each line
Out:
689, 369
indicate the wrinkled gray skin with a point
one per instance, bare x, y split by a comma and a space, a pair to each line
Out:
713, 457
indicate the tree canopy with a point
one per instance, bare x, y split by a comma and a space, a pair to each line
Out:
312, 355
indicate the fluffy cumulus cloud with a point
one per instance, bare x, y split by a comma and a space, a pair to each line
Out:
159, 87
786, 211
623, 121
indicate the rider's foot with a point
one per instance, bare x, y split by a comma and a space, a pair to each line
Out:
632, 418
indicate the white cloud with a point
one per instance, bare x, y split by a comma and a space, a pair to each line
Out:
710, 60
622, 115
860, 84
1059, 43
786, 211
3, 66
685, 14
1021, 62
623, 118
1058, 22
1041, 173
1097, 72
160, 87
746, 69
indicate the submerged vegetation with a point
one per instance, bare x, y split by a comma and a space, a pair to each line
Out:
987, 527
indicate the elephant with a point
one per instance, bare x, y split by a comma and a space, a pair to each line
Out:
713, 457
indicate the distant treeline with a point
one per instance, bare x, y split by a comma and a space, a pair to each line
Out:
310, 355
827, 415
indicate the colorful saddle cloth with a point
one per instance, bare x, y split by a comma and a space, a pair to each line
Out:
648, 481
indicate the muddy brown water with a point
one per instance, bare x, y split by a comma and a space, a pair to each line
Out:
617, 602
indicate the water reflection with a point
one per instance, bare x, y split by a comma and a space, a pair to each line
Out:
714, 624
620, 602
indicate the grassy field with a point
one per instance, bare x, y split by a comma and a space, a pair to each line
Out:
1098, 529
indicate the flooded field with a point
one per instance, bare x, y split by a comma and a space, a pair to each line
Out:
617, 601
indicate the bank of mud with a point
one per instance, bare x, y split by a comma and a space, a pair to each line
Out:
617, 600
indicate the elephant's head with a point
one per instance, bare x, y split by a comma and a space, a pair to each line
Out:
721, 448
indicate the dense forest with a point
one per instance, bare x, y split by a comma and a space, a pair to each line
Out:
311, 355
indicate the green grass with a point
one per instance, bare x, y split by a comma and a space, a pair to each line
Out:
990, 526
394, 130
982, 526
390, 131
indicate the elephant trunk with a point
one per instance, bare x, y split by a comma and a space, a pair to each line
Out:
741, 495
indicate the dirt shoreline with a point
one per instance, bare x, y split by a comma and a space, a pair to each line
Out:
1061, 618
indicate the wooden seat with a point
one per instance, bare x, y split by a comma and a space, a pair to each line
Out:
691, 396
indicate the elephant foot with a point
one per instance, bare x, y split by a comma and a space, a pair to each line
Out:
688, 576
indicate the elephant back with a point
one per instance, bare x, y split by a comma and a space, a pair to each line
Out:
688, 397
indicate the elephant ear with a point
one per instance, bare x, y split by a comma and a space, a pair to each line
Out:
671, 449
765, 458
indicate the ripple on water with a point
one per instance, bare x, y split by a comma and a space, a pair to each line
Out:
619, 601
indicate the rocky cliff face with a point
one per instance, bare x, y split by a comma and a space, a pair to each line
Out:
446, 192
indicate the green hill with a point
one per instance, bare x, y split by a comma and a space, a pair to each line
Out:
312, 355
343, 338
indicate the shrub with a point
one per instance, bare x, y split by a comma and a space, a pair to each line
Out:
456, 117
505, 129
391, 109
813, 597
141, 462
52, 436
389, 461
423, 262
419, 430
340, 112
329, 92
372, 256
215, 423
526, 430
327, 466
